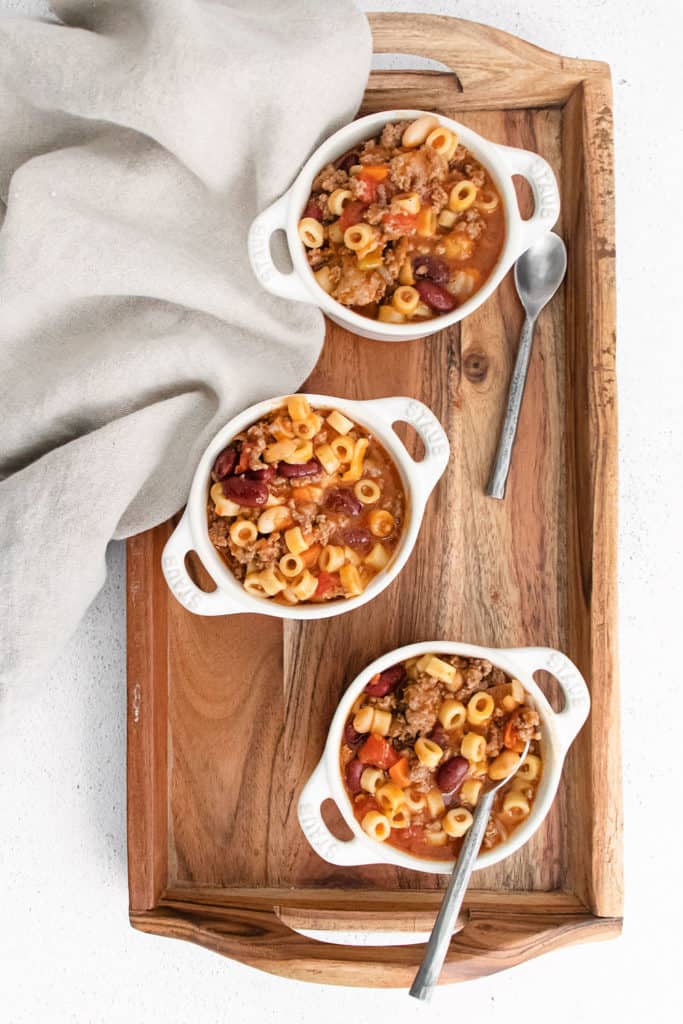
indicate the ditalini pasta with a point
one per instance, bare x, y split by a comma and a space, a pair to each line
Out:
305, 505
406, 226
423, 740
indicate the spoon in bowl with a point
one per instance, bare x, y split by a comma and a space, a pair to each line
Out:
539, 272
442, 932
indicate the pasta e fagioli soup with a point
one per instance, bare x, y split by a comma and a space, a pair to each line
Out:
423, 739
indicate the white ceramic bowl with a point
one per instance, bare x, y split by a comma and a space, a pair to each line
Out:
500, 161
558, 729
418, 478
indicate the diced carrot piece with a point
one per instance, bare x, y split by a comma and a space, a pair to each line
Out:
311, 556
378, 172
399, 773
302, 493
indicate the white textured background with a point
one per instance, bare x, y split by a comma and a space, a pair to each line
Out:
66, 950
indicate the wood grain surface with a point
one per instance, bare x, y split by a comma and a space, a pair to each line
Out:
228, 716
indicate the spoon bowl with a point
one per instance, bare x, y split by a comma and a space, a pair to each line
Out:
539, 272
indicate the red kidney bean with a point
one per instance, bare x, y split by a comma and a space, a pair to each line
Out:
354, 770
431, 267
440, 737
265, 474
356, 537
313, 210
341, 499
293, 470
225, 463
386, 681
451, 774
250, 493
436, 297
350, 735
347, 160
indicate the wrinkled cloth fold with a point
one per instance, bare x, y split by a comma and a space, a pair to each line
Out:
139, 138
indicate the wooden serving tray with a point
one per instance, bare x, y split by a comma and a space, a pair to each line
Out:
227, 716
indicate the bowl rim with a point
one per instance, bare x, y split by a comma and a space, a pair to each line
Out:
416, 490
553, 752
486, 151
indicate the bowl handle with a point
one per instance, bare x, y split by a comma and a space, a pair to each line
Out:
430, 431
577, 700
287, 286
335, 851
182, 586
543, 182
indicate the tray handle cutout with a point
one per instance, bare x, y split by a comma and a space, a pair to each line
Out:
272, 219
431, 433
182, 586
344, 853
577, 700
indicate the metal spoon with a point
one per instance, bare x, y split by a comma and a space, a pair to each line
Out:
428, 975
538, 274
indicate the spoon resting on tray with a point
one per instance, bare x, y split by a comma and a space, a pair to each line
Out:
428, 974
539, 272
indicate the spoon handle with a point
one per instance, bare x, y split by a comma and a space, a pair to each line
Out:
501, 466
442, 932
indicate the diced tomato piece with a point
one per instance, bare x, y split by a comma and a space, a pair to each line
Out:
399, 773
245, 458
378, 752
401, 223
352, 214
327, 582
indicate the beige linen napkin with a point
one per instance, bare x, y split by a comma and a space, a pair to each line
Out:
138, 138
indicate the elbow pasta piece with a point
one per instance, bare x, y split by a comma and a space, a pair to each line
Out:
469, 791
399, 818
437, 668
355, 470
308, 427
362, 720
502, 765
406, 202
298, 407
435, 803
376, 825
452, 714
457, 821
331, 558
406, 299
291, 566
378, 558
443, 141
371, 779
339, 422
436, 838
305, 588
366, 491
418, 130
253, 585
311, 232
342, 448
462, 196
480, 708
351, 580
426, 222
338, 200
243, 532
351, 556
446, 219
381, 523
473, 747
335, 233
381, 722
295, 541
428, 752
281, 428
272, 582
360, 237
390, 796
487, 201
529, 769
515, 803
413, 801
303, 452
275, 518
456, 682
406, 275
327, 459
517, 691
